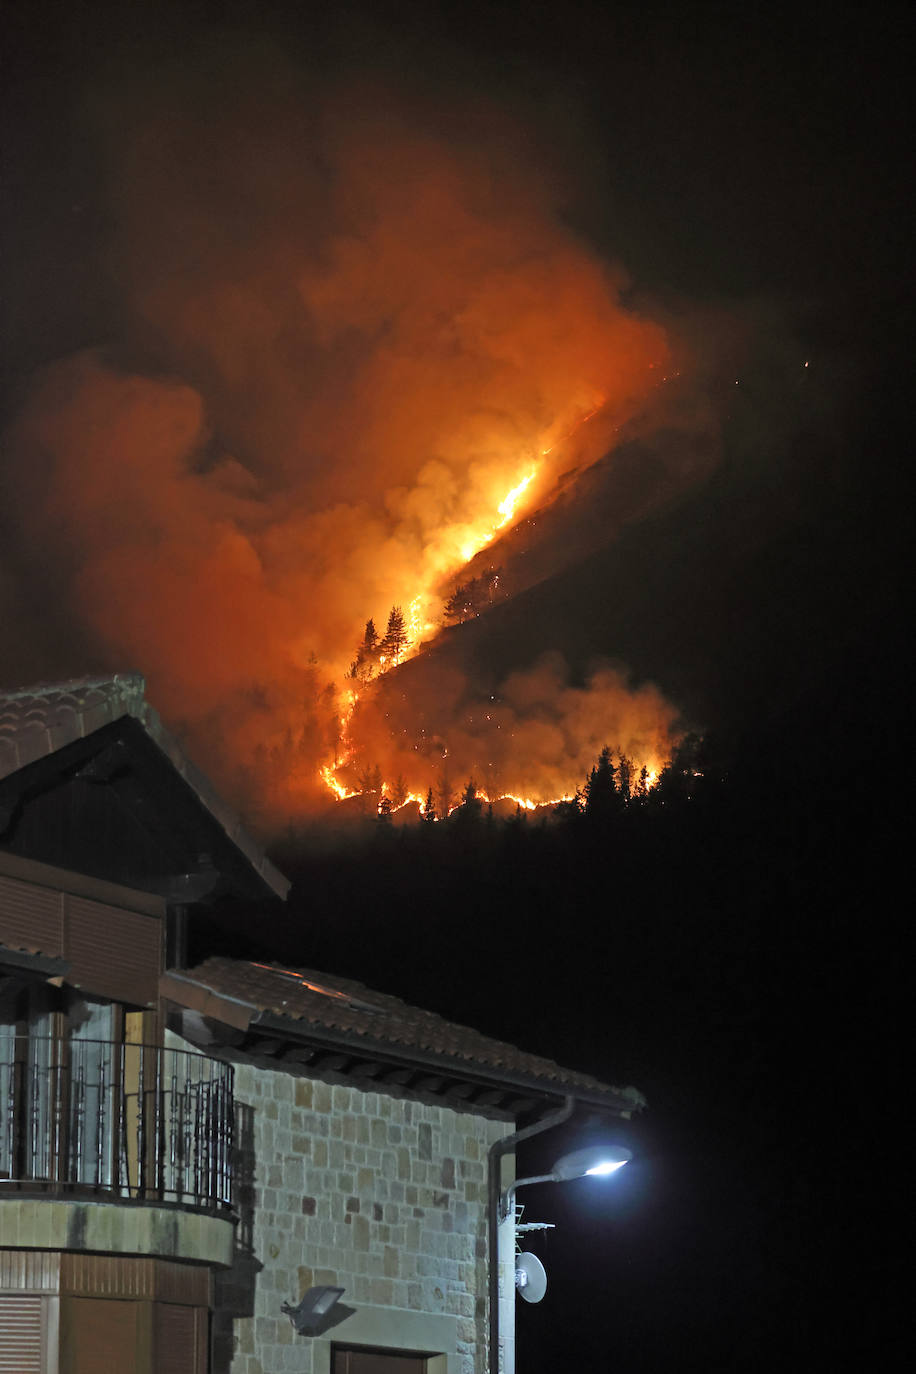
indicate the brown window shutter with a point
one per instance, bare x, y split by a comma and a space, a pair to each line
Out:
98, 1335
30, 916
20, 1334
112, 952
180, 1339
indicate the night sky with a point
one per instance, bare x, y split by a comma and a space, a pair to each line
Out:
744, 549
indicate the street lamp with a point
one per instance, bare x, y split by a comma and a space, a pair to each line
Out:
524, 1274
598, 1161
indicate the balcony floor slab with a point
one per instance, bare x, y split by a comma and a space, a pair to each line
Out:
114, 1228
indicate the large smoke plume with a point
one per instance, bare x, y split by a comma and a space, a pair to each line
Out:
347, 327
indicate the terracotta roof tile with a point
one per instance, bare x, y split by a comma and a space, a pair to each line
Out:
327, 1003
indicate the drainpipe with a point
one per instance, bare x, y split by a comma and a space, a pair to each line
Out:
501, 1245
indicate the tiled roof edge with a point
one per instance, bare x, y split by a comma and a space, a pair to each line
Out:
625, 1099
131, 681
567, 1082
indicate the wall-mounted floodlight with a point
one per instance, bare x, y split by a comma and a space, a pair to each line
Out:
596, 1162
308, 1315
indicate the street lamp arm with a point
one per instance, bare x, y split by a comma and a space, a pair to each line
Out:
507, 1199
598, 1160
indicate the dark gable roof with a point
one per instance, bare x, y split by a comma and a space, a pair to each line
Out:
36, 722
317, 1008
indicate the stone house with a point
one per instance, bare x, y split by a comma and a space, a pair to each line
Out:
187, 1153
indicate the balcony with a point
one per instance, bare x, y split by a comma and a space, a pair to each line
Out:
108, 1122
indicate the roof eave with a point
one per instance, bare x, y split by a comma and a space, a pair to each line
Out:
259, 1032
618, 1102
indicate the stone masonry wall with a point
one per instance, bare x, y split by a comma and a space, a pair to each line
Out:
382, 1196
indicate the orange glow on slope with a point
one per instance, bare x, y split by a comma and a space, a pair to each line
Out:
507, 505
418, 622
326, 773
389, 352
523, 803
474, 536
532, 745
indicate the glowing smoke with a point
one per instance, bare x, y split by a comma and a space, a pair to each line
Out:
350, 336
536, 736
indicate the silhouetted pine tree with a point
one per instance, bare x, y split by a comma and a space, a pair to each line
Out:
365, 663
471, 806
602, 800
392, 645
624, 777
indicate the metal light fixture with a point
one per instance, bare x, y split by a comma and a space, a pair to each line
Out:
596, 1162
315, 1305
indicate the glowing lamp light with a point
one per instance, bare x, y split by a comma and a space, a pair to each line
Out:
598, 1161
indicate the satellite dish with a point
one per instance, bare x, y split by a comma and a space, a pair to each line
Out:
530, 1277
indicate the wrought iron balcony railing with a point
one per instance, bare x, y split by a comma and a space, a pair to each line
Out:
125, 1121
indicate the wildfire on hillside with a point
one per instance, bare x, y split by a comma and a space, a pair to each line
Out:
532, 741
390, 353
410, 754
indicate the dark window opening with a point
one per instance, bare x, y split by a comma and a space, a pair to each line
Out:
363, 1360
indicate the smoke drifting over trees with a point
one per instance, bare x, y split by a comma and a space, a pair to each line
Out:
536, 736
344, 332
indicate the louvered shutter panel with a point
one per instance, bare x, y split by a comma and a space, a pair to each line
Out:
30, 916
112, 952
20, 1334
181, 1335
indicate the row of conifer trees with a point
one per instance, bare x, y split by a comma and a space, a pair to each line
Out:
612, 786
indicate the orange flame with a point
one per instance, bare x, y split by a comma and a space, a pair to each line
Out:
231, 524
417, 623
327, 775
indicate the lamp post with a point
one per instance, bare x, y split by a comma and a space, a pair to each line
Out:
598, 1161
